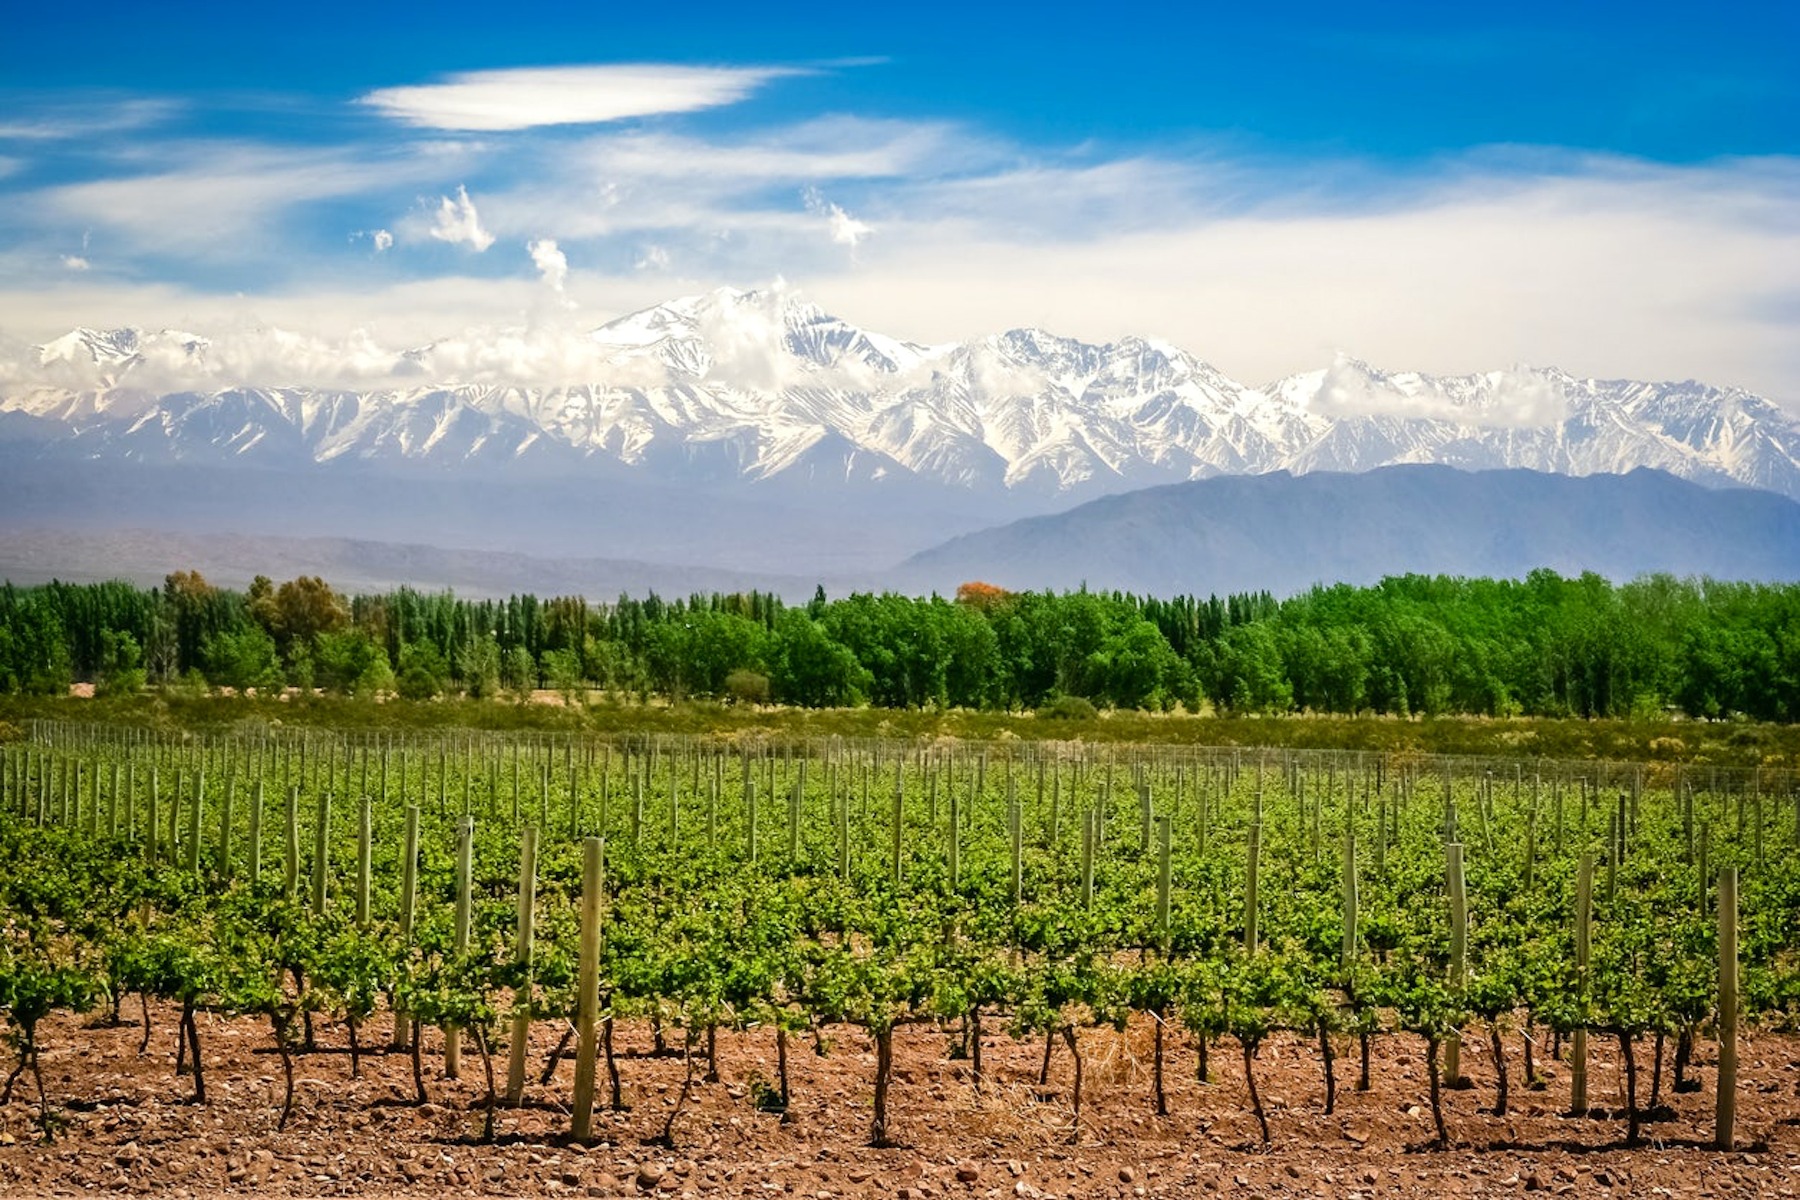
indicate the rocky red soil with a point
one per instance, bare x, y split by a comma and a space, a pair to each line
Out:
124, 1124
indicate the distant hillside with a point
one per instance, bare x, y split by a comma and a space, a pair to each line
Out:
231, 560
1285, 533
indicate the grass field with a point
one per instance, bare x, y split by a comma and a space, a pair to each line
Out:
1720, 743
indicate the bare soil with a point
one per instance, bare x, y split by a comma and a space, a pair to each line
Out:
125, 1124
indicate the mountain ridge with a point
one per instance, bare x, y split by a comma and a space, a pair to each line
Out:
747, 387
1286, 533
1279, 532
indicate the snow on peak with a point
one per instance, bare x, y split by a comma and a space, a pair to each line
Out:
763, 381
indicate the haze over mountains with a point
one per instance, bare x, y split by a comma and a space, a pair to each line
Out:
1285, 533
752, 432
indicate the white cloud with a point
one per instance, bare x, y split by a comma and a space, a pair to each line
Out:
529, 97
384, 241
1601, 266
846, 230
83, 119
218, 201
1521, 399
1611, 270
75, 262
552, 264
457, 222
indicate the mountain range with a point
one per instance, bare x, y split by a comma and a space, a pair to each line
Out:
762, 385
751, 431
1275, 532
1285, 533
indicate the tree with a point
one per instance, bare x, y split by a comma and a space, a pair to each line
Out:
349, 661
1249, 676
810, 669
423, 671
481, 667
518, 671
242, 660
305, 608
121, 665
562, 668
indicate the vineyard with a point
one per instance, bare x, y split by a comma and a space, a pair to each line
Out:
496, 908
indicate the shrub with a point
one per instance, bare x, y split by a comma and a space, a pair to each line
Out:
744, 686
1068, 708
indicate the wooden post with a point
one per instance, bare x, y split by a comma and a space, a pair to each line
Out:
750, 823
1015, 818
794, 802
409, 894
155, 801
291, 870
1163, 880
1350, 896
1584, 900
587, 996
899, 827
465, 862
1088, 822
321, 854
1459, 950
522, 953
365, 838
1252, 864
955, 840
843, 836
1530, 847
225, 821
256, 833
1725, 1107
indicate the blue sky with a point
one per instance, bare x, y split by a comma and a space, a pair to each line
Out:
1612, 188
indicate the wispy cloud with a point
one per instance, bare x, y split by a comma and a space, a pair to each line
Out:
86, 118
528, 97
1608, 266
217, 200
845, 229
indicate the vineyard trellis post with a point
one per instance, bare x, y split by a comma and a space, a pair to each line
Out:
1725, 1105
522, 952
1578, 1057
465, 863
587, 1001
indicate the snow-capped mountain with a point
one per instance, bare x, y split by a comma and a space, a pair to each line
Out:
764, 386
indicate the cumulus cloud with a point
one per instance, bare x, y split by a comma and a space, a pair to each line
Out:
384, 241
846, 230
457, 222
527, 97
75, 262
552, 263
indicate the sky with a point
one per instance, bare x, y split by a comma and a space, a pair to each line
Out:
1613, 189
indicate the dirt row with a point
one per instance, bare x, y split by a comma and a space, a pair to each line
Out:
124, 1123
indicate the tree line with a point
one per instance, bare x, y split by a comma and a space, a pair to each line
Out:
1545, 645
